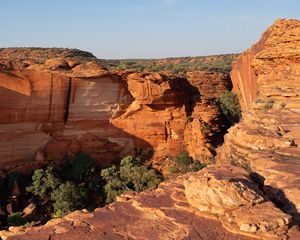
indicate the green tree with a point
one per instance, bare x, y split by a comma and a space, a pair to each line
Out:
130, 176
66, 198
79, 168
183, 163
230, 107
43, 183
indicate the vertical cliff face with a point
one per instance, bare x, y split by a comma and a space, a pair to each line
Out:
267, 141
56, 103
56, 107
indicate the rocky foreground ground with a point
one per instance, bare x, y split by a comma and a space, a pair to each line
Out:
219, 202
258, 198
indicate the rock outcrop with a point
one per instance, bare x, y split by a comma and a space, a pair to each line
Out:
205, 125
267, 141
238, 210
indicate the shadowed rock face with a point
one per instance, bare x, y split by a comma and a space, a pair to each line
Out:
267, 141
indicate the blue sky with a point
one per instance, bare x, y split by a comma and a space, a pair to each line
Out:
141, 28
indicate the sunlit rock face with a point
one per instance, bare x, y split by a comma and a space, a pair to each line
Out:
55, 107
57, 102
267, 141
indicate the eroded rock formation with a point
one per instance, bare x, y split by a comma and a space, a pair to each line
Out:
57, 102
267, 141
204, 126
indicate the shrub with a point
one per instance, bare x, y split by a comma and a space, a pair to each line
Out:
282, 105
268, 105
43, 183
188, 120
230, 107
130, 176
66, 198
183, 163
16, 219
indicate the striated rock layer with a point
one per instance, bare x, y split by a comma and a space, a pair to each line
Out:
178, 209
267, 141
57, 102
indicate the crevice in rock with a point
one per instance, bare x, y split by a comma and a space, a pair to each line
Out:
166, 131
67, 103
277, 196
50, 98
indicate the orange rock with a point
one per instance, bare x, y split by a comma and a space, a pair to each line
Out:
267, 141
167, 213
64, 101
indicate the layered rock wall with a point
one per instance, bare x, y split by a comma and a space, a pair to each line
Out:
56, 103
267, 141
52, 108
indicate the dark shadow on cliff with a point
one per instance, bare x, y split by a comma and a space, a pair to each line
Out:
278, 197
106, 148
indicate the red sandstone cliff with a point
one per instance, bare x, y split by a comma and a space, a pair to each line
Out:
267, 141
57, 102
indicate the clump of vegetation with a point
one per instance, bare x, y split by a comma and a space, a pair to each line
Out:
184, 163
130, 176
75, 184
179, 66
230, 107
66, 198
268, 105
44, 183
188, 120
16, 219
282, 105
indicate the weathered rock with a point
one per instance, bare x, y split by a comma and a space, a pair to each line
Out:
210, 85
29, 210
166, 213
65, 102
204, 126
220, 189
261, 218
267, 141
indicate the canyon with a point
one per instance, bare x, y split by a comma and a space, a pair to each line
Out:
63, 102
57, 103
